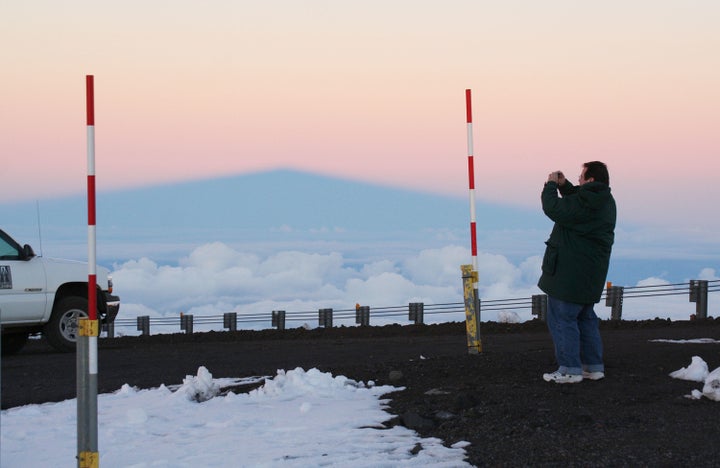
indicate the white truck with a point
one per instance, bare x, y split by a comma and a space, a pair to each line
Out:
45, 295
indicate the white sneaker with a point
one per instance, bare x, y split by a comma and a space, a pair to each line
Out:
597, 375
559, 377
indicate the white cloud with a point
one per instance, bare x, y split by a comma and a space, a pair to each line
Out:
217, 256
652, 281
437, 266
375, 268
392, 289
530, 269
215, 278
708, 274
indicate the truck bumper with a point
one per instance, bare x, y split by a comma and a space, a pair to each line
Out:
113, 307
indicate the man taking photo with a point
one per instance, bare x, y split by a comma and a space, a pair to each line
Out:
574, 268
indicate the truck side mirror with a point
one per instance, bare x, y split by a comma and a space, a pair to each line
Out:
28, 252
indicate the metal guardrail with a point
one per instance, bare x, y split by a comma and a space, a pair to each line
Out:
614, 296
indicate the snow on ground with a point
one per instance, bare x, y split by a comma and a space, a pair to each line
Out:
698, 371
695, 340
296, 419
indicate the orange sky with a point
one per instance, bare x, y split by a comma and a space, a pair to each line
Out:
370, 90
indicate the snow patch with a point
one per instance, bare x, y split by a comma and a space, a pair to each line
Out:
711, 389
697, 371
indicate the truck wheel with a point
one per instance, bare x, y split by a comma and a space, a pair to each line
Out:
13, 342
62, 330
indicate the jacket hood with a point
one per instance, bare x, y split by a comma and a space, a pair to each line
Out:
595, 194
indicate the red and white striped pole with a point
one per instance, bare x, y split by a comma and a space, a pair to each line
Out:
92, 273
471, 179
470, 278
88, 328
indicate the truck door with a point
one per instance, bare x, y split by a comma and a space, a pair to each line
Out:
23, 286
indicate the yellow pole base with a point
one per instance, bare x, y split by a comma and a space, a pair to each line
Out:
88, 460
87, 327
471, 325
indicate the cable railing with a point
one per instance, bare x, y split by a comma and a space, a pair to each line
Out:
614, 296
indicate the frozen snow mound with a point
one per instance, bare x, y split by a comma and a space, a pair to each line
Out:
711, 389
200, 387
697, 371
508, 317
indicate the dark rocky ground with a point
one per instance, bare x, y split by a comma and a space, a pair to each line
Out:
497, 400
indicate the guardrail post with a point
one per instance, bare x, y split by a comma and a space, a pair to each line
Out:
278, 319
186, 323
143, 324
539, 306
325, 318
362, 315
110, 329
614, 299
699, 295
230, 321
416, 312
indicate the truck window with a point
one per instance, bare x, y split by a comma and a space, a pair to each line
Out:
8, 251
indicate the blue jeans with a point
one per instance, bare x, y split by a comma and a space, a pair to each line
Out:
576, 334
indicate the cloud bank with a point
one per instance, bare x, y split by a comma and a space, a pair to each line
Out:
215, 278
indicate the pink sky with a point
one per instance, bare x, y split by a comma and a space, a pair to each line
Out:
370, 90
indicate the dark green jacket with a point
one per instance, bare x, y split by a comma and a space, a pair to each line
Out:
577, 255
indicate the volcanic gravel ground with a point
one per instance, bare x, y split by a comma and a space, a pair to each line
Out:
496, 400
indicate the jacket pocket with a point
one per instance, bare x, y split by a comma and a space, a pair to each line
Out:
549, 263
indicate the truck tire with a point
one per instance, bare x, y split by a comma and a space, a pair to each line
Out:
13, 342
61, 331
